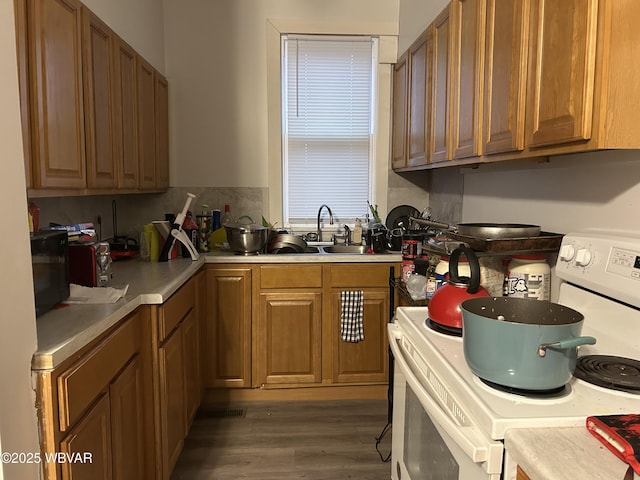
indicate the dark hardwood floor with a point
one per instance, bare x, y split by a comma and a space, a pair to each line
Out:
312, 440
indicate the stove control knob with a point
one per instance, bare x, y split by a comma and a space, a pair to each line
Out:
567, 253
583, 257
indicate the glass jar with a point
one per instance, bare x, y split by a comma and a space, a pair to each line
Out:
529, 276
442, 270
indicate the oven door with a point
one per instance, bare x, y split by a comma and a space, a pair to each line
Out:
428, 441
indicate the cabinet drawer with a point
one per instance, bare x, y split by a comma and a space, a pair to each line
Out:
81, 384
291, 276
176, 308
360, 275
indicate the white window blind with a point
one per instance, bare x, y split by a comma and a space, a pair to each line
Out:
327, 126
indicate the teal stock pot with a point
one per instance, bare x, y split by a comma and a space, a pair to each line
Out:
521, 343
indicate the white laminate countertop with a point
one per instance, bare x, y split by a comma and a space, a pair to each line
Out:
225, 256
563, 453
62, 332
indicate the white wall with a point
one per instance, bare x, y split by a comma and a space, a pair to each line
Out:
140, 23
594, 190
18, 431
415, 16
217, 66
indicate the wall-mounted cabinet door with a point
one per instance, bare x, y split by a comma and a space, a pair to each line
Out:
161, 106
99, 104
146, 125
561, 71
468, 25
399, 119
505, 75
20, 7
440, 131
126, 115
419, 102
55, 41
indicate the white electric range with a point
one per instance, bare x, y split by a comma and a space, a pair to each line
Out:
437, 400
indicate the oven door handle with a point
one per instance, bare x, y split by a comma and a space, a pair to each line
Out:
477, 447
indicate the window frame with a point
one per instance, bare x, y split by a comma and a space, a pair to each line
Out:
374, 119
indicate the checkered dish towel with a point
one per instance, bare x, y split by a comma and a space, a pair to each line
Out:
351, 320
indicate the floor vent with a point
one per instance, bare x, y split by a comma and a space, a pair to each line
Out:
222, 413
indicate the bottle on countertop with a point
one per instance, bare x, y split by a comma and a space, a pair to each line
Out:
226, 217
529, 276
357, 233
191, 229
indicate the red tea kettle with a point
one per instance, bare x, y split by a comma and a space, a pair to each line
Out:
444, 306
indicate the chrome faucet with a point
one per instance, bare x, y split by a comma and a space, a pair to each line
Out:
319, 231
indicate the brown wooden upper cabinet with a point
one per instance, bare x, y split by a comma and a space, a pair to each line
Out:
161, 109
557, 79
440, 128
99, 104
84, 131
153, 127
146, 125
20, 8
57, 109
419, 104
468, 36
126, 114
399, 119
582, 82
505, 75
561, 78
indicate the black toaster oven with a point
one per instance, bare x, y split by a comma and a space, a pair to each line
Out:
50, 263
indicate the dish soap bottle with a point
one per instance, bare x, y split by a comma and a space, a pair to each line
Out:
357, 233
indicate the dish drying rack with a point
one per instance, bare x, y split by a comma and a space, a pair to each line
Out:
546, 242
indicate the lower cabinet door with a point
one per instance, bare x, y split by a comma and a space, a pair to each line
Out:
190, 341
365, 361
173, 424
128, 424
289, 338
86, 450
521, 475
228, 327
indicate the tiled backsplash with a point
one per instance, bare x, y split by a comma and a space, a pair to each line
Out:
133, 211
442, 190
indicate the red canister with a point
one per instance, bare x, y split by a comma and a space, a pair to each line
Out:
408, 267
411, 245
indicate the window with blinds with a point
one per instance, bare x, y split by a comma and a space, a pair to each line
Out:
328, 118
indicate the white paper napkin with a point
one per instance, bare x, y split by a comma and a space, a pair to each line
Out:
80, 294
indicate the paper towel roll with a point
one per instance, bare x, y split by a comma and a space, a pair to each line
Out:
155, 241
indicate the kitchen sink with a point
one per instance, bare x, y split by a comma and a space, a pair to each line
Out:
352, 249
326, 249
291, 251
